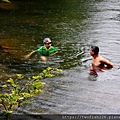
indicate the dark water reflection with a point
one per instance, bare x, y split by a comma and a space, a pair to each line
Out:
31, 22
73, 25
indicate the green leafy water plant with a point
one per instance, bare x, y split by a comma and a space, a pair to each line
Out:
7, 1
19, 94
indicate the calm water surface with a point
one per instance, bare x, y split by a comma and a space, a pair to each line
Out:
73, 25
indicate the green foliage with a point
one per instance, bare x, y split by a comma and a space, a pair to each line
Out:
6, 1
20, 76
19, 94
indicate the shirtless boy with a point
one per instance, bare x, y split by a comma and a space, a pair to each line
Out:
99, 63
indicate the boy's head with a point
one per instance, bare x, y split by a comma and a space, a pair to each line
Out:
95, 49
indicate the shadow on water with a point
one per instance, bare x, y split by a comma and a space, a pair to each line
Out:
93, 77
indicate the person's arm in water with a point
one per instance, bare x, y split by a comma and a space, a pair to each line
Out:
30, 54
108, 64
33, 53
53, 53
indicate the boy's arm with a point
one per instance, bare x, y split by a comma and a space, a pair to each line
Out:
30, 54
53, 54
108, 63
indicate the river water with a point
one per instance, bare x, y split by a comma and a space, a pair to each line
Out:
73, 26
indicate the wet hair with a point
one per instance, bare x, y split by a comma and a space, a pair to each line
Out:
95, 49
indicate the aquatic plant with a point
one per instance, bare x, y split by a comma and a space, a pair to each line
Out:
6, 1
19, 94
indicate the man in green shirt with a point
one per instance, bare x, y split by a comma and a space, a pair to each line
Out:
46, 50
